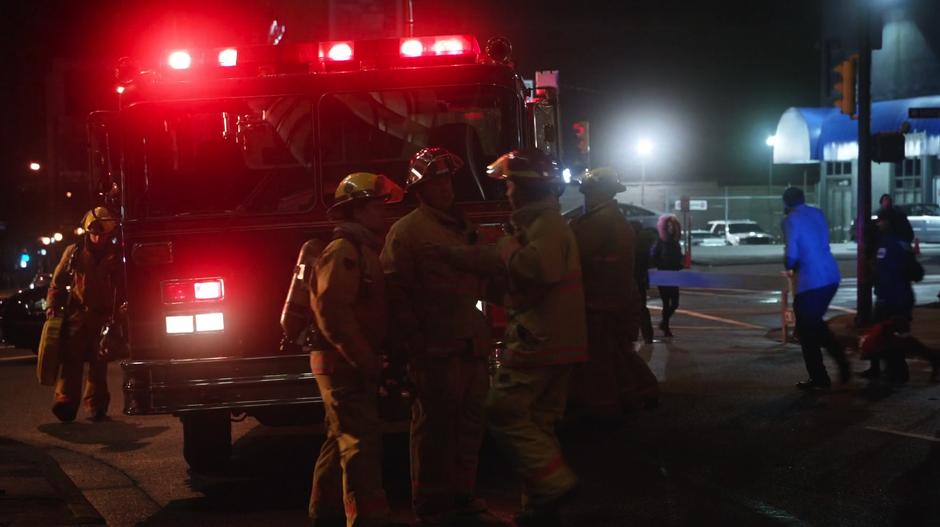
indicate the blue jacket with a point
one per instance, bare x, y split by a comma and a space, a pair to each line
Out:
892, 285
808, 254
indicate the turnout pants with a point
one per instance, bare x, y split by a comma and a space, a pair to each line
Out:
594, 390
82, 347
524, 404
347, 479
809, 308
447, 424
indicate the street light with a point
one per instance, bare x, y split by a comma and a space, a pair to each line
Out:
644, 148
34, 166
771, 141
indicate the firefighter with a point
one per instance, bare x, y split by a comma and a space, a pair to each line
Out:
546, 331
349, 304
448, 342
615, 376
83, 289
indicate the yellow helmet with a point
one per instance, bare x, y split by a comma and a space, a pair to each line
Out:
603, 178
99, 220
530, 164
366, 185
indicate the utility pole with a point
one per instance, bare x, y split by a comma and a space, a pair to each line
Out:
863, 300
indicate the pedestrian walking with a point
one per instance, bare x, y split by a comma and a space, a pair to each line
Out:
817, 279
612, 378
83, 290
667, 256
641, 271
894, 294
448, 345
350, 308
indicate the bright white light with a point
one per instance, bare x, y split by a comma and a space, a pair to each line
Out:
341, 51
208, 290
209, 322
447, 46
34, 166
45, 240
228, 57
566, 175
180, 60
68, 194
119, 90
24, 264
43, 252
412, 48
57, 236
771, 140
179, 324
644, 147
79, 231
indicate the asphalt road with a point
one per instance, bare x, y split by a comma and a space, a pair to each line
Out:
732, 442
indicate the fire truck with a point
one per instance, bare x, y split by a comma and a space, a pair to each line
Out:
223, 162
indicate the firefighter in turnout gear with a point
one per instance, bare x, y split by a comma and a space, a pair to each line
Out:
615, 378
83, 288
347, 295
546, 333
447, 342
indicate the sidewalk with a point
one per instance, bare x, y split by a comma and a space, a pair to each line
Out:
757, 254
35, 491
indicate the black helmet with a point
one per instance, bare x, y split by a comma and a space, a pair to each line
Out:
529, 164
430, 162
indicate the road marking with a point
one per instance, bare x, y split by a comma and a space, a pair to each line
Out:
933, 439
703, 316
31, 356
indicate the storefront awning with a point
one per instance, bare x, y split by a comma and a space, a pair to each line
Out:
797, 136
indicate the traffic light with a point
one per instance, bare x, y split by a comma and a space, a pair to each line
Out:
845, 85
583, 134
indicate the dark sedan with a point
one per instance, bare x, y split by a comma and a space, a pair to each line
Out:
22, 315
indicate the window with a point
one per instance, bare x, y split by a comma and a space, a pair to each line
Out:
907, 183
236, 156
380, 131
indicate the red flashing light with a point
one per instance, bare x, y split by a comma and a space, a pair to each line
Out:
448, 46
177, 292
412, 47
180, 60
336, 51
228, 57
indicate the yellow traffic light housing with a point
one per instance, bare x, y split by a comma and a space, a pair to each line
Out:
845, 85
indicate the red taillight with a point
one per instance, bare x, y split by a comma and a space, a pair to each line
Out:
208, 290
412, 47
180, 60
177, 292
189, 291
228, 58
336, 51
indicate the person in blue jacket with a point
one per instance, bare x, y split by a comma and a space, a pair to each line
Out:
817, 279
893, 293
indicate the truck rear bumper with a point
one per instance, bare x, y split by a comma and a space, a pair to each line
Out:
182, 385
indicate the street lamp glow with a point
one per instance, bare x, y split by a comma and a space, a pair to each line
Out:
644, 147
34, 166
771, 140
57, 236
45, 240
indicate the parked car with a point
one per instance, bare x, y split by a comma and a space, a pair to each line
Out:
23, 314
924, 218
704, 238
741, 232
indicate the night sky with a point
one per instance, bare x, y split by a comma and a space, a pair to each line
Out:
705, 80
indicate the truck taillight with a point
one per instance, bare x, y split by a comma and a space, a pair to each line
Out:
336, 51
228, 58
180, 60
208, 290
198, 323
189, 291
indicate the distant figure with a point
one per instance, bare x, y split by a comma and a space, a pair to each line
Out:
817, 279
667, 256
641, 271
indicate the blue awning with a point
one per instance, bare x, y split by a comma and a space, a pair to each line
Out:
797, 135
839, 136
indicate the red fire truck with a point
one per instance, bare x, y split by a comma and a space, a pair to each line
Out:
223, 163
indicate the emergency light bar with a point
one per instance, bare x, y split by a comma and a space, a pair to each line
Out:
337, 55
